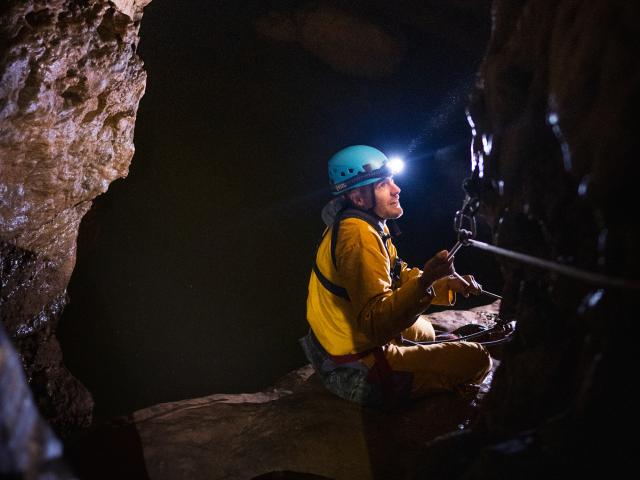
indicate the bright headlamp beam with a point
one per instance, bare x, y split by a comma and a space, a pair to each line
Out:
395, 165
391, 167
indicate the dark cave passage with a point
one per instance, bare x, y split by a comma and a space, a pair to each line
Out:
194, 269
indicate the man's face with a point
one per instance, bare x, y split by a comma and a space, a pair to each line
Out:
387, 195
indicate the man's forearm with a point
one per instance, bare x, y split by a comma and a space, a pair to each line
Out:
385, 316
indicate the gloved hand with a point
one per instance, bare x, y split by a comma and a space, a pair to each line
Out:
437, 267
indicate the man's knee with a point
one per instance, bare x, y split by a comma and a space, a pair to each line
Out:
421, 331
481, 360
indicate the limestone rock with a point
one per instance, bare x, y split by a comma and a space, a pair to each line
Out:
131, 8
70, 87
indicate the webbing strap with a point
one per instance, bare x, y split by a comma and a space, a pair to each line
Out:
329, 285
372, 220
381, 362
384, 375
378, 226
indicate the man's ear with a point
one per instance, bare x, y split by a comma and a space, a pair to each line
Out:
356, 198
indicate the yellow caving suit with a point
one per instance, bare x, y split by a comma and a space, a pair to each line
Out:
376, 312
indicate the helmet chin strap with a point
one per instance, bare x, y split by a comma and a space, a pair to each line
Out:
372, 193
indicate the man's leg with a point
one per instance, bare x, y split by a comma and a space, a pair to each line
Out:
420, 331
440, 367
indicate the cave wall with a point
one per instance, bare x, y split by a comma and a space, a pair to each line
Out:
552, 115
70, 86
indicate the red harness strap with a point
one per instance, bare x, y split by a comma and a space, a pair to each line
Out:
352, 357
382, 374
394, 385
382, 364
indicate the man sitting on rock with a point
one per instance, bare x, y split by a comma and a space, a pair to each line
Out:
364, 302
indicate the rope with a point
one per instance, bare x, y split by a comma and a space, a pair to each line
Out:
466, 338
577, 273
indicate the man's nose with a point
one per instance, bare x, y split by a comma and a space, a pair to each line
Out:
395, 189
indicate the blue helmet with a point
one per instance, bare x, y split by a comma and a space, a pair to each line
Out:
355, 166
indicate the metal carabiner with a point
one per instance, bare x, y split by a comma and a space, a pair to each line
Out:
463, 240
465, 218
464, 223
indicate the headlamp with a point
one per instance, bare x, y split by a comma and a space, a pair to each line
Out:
395, 165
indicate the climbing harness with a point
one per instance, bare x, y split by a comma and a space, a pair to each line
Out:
348, 377
503, 329
381, 372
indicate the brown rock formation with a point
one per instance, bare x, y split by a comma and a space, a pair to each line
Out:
71, 83
553, 113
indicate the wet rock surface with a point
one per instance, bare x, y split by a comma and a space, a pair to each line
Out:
552, 114
71, 83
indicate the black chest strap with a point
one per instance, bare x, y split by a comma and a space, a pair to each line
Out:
378, 226
372, 220
329, 285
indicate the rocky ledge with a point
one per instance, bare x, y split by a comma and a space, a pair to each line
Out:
296, 429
